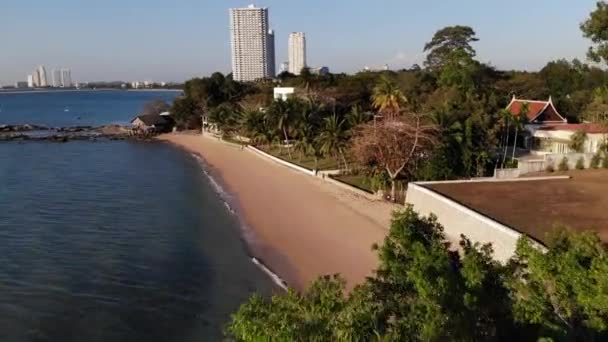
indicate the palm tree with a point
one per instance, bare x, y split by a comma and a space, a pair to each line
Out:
282, 114
519, 121
307, 142
387, 98
334, 137
507, 117
252, 123
357, 117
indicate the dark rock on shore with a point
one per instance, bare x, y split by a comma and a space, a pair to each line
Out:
22, 128
65, 134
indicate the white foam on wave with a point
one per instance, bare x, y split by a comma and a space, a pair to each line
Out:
275, 278
216, 186
248, 234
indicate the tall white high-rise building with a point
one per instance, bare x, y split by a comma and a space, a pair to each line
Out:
42, 80
297, 52
56, 73
66, 78
252, 44
30, 81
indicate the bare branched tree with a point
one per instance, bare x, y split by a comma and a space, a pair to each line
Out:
397, 145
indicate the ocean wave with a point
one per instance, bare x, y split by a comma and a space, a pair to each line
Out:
275, 277
248, 234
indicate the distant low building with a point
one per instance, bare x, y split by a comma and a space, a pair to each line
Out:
321, 71
283, 93
21, 84
284, 67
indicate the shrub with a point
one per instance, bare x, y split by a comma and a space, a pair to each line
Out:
580, 163
511, 164
605, 161
563, 165
550, 168
595, 161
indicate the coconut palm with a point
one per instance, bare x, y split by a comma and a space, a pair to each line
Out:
253, 125
387, 98
334, 138
357, 117
282, 114
507, 118
519, 122
307, 142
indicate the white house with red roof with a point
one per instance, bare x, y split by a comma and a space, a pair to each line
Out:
550, 133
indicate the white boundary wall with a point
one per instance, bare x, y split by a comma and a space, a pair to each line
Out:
281, 161
458, 220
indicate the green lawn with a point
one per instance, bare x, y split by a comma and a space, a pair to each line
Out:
308, 162
361, 182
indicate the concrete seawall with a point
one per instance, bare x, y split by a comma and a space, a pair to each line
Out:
458, 219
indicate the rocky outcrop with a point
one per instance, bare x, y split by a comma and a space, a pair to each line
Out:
64, 134
22, 128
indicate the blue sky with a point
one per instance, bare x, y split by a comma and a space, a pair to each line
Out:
179, 39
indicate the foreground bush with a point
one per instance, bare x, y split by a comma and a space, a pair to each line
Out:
423, 291
595, 161
563, 165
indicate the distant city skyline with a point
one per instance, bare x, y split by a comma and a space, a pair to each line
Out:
105, 41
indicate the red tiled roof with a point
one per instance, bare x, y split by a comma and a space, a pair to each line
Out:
589, 128
538, 111
535, 108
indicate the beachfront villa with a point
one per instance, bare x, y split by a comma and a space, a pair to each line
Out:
548, 131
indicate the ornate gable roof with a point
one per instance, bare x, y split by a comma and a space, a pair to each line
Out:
538, 111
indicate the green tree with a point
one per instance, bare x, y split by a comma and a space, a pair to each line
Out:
422, 291
293, 316
387, 98
577, 141
333, 138
446, 42
308, 128
563, 291
595, 28
283, 114
519, 122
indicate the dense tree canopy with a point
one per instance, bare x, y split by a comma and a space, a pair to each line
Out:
596, 29
425, 290
448, 41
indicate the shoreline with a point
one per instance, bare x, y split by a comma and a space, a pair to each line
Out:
291, 242
246, 235
41, 91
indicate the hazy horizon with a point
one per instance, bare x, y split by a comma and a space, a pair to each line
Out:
161, 41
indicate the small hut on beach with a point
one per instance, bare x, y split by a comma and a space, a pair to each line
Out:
153, 123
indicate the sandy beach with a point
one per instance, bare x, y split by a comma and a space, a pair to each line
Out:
302, 227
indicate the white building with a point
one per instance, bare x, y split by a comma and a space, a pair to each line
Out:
56, 81
42, 80
66, 78
252, 44
283, 67
297, 52
283, 93
30, 81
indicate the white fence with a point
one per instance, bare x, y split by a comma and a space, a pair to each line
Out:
281, 161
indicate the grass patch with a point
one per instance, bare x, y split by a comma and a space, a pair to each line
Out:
360, 182
308, 162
